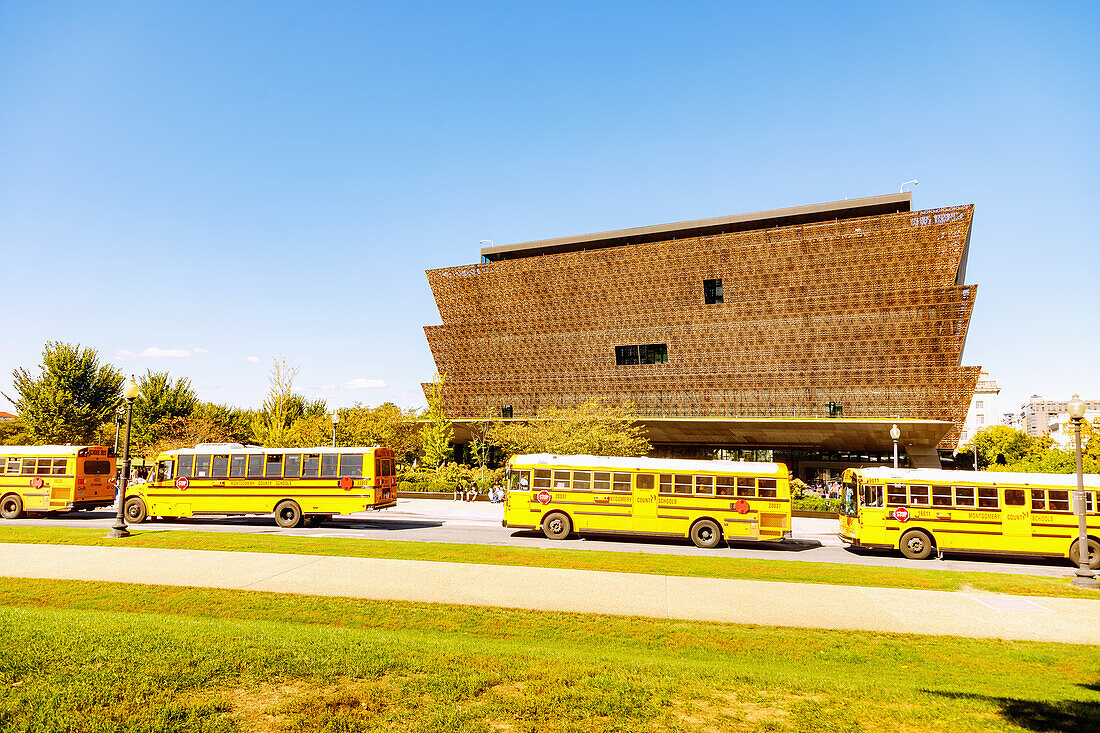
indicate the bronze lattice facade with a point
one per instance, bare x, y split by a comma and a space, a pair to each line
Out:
868, 312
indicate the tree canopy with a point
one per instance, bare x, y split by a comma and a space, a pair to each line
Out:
71, 396
591, 428
435, 437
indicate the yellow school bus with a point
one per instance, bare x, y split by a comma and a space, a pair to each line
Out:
297, 485
919, 511
55, 478
707, 501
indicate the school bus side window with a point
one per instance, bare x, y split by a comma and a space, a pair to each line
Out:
292, 464
941, 496
255, 465
683, 484
601, 481
1038, 500
273, 465
987, 498
328, 465
561, 479
1015, 497
164, 471
895, 494
964, 496
59, 465
665, 483
542, 478
351, 464
582, 480
704, 485
202, 466
726, 485
219, 468
622, 482
184, 465
918, 495
13, 465
238, 465
1059, 501
746, 486
768, 488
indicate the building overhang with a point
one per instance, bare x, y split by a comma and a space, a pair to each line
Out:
791, 216
781, 433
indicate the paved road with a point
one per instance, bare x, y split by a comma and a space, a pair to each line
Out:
433, 520
1069, 620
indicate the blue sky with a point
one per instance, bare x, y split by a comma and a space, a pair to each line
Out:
199, 187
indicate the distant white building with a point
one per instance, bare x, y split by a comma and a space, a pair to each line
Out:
1060, 428
984, 408
1036, 414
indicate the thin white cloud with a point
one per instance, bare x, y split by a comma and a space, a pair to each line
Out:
155, 352
254, 359
200, 350
362, 383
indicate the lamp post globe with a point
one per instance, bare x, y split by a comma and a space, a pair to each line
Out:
895, 433
335, 422
1084, 577
130, 391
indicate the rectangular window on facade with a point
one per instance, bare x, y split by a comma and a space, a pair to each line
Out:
726, 485
351, 464
255, 465
311, 465
329, 464
987, 498
712, 291
542, 479
1014, 497
202, 466
1059, 501
292, 465
621, 482
653, 353
601, 481
506, 412
185, 465
626, 355
918, 495
561, 479
273, 466
768, 488
582, 480
219, 467
981, 419
895, 494
964, 496
1038, 500
978, 405
682, 484
238, 466
941, 496
704, 485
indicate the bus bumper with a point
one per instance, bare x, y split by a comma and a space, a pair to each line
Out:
848, 540
383, 505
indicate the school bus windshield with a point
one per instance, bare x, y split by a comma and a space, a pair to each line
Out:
851, 492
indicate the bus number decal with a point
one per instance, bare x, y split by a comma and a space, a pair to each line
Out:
901, 514
182, 483
543, 497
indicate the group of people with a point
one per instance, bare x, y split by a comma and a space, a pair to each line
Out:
471, 492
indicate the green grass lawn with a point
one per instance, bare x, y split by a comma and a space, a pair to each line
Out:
78, 657
619, 562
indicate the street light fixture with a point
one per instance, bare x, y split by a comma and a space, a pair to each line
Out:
894, 435
1085, 577
130, 391
335, 420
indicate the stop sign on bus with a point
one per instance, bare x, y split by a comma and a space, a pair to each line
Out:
901, 514
543, 497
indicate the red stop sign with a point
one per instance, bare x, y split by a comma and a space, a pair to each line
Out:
543, 497
901, 514
182, 483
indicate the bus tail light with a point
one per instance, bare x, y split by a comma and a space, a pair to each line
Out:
80, 482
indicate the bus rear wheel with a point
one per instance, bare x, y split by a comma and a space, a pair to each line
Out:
556, 526
11, 507
916, 545
134, 510
1094, 553
288, 514
705, 534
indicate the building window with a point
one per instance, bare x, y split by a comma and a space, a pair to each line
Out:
981, 419
712, 291
978, 405
506, 412
643, 354
626, 355
834, 409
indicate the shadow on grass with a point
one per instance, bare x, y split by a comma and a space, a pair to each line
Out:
594, 539
1065, 715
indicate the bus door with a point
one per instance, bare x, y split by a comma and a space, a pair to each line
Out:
1016, 519
872, 514
644, 501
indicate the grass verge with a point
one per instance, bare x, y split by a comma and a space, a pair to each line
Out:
617, 562
80, 656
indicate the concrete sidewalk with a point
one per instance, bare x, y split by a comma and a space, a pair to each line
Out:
546, 589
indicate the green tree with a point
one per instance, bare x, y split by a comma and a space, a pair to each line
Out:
274, 425
591, 428
386, 425
160, 398
1002, 445
12, 432
435, 437
70, 398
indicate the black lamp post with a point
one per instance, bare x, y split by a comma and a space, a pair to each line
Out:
130, 392
1085, 577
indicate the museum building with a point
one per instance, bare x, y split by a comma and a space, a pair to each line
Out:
804, 332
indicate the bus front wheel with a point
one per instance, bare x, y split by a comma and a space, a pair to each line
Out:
916, 545
556, 526
288, 514
705, 534
1075, 553
134, 510
11, 507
